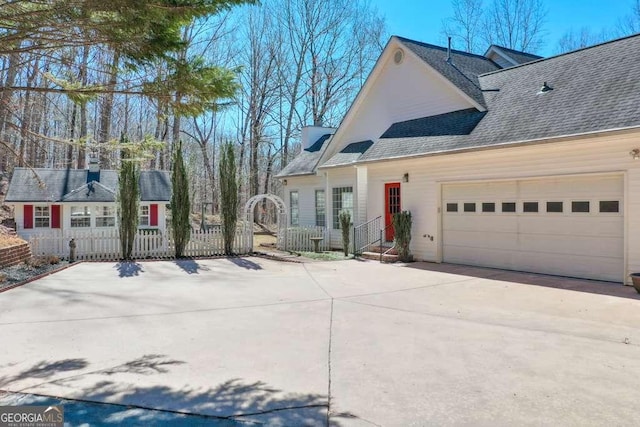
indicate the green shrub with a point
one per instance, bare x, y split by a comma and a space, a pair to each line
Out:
402, 231
345, 225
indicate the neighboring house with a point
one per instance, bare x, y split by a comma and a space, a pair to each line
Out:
48, 200
505, 160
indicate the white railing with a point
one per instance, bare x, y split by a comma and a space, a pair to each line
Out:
300, 238
105, 244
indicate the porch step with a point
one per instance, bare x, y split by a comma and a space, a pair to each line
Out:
376, 256
382, 249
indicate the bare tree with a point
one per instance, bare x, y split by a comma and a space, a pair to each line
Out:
466, 25
515, 24
572, 40
630, 24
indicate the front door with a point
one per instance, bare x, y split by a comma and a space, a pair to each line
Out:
391, 206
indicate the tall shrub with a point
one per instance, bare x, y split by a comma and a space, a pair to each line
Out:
344, 217
180, 203
229, 201
128, 198
402, 231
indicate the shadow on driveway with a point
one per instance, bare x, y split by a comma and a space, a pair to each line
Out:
227, 404
245, 263
558, 282
129, 268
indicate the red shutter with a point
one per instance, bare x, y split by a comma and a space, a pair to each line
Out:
28, 216
55, 216
153, 215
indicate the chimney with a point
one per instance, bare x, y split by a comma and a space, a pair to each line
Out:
449, 50
94, 164
93, 174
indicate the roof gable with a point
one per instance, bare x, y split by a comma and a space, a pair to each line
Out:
75, 185
90, 192
420, 82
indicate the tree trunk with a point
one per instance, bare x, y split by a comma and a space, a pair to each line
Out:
105, 113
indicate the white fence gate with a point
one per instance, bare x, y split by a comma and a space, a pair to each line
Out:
105, 244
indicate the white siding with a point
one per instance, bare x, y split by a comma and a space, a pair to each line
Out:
339, 177
65, 212
421, 195
397, 93
306, 187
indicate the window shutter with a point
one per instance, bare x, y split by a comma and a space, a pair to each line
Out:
28, 216
55, 216
153, 215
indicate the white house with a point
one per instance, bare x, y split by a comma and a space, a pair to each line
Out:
505, 159
53, 200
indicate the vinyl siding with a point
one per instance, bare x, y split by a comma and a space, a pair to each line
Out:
401, 92
421, 195
306, 187
339, 177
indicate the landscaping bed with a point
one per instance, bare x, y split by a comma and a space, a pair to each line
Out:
24, 272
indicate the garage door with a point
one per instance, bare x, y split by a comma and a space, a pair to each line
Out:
566, 226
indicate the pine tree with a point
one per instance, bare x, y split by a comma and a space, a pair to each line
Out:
180, 203
229, 201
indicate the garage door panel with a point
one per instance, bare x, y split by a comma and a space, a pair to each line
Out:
596, 226
601, 268
481, 257
578, 244
488, 189
481, 223
480, 239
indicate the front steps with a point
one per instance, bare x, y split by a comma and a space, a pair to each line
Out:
374, 254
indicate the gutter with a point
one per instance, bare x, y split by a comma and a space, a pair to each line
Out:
538, 141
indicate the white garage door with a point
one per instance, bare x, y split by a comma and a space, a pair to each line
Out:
566, 226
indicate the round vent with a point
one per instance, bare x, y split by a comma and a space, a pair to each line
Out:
398, 56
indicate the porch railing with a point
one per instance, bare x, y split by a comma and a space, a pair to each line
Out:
365, 235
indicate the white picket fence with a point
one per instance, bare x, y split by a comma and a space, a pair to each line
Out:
299, 238
105, 244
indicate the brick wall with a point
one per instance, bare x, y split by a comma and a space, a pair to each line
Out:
14, 254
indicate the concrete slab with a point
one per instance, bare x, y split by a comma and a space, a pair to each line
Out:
257, 341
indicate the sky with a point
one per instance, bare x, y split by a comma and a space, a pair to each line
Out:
422, 19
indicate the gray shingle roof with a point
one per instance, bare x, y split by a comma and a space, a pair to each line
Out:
460, 122
78, 185
516, 55
594, 89
349, 154
306, 162
462, 71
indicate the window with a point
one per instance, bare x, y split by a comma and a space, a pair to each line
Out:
321, 216
580, 207
42, 216
452, 207
105, 216
294, 208
469, 207
530, 207
80, 216
609, 206
555, 207
144, 216
508, 206
342, 201
488, 207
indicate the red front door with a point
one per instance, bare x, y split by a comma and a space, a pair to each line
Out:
391, 206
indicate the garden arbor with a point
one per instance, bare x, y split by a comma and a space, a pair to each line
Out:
281, 219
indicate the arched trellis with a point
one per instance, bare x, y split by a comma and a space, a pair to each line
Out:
281, 210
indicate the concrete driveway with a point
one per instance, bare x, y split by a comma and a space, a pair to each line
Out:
252, 341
